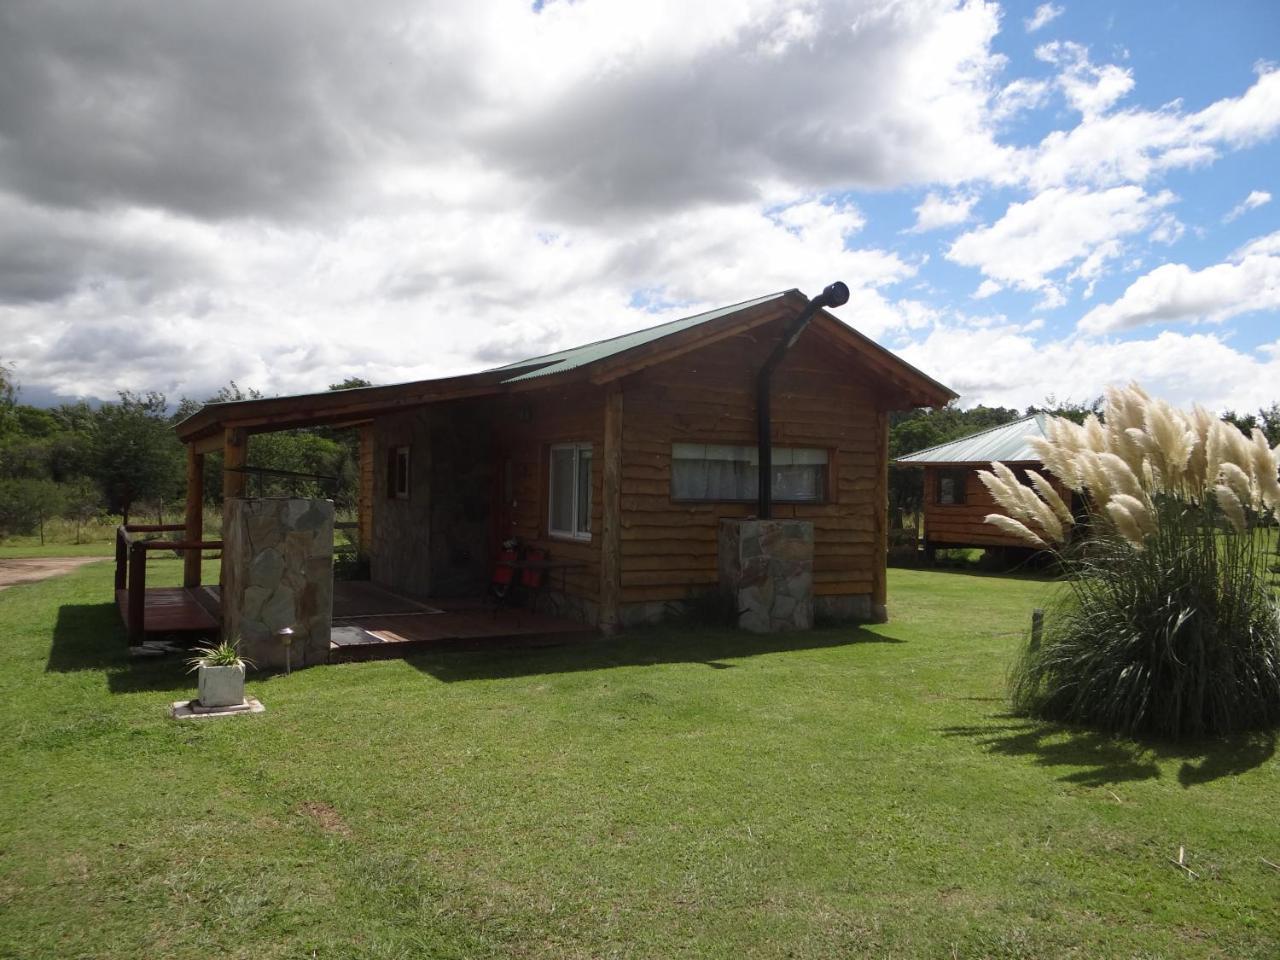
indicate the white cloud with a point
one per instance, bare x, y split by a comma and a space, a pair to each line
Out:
456, 184
1007, 365
432, 291
1056, 229
1174, 293
1043, 16
1131, 146
937, 211
1017, 97
1091, 89
1168, 230
1255, 199
1266, 245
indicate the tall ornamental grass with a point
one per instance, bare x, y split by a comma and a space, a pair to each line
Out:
1170, 626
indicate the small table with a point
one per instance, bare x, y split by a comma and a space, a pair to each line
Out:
546, 567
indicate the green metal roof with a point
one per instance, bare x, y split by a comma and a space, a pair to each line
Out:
576, 357
1007, 443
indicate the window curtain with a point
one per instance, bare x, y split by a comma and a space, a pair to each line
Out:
709, 471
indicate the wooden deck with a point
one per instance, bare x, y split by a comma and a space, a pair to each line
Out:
370, 621
170, 610
398, 629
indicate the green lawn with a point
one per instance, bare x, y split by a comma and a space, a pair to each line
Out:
19, 548
843, 793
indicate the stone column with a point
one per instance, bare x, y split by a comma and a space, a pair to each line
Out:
278, 572
766, 569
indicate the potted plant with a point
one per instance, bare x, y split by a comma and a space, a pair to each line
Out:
220, 675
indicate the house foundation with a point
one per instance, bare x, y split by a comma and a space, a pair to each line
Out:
766, 571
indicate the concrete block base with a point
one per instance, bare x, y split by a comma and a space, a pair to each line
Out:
191, 709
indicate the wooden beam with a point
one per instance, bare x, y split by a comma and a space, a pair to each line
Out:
611, 513
283, 413
209, 444
880, 503
235, 453
195, 516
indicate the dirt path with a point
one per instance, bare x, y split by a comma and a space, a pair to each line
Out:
39, 568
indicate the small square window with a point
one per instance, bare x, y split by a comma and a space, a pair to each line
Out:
398, 475
951, 487
569, 507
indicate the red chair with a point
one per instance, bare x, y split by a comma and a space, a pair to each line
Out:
503, 578
531, 580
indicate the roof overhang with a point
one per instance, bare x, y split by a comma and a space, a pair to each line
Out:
911, 387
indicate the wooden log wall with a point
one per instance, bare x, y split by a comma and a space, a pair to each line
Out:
819, 400
527, 424
964, 524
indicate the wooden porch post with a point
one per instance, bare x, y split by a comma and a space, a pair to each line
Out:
364, 502
880, 504
235, 451
195, 516
611, 534
136, 604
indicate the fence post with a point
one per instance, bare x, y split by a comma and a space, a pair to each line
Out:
137, 592
1037, 627
122, 559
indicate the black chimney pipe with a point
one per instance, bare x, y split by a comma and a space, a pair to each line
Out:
835, 295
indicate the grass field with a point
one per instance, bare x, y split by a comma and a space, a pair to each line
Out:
676, 793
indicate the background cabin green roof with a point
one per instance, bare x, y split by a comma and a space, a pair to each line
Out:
1008, 443
576, 357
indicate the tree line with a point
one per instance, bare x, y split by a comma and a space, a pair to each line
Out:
122, 459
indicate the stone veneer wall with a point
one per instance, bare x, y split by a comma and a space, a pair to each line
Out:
277, 570
766, 568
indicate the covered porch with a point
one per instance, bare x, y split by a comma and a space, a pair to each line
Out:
369, 621
446, 472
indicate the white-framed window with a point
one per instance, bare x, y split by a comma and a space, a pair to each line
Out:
726, 471
569, 506
398, 473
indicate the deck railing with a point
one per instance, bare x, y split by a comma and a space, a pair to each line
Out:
131, 566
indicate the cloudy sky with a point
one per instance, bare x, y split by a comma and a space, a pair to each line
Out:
1026, 199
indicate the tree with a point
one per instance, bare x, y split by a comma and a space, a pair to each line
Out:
351, 383
1075, 411
8, 397
136, 454
82, 498
27, 503
1267, 419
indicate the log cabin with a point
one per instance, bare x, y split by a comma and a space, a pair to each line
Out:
956, 503
618, 459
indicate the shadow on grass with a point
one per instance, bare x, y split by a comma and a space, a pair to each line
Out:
646, 647
90, 637
1103, 759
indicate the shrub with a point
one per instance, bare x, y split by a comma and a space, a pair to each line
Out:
1170, 624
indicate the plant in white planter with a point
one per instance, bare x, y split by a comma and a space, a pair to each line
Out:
220, 675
